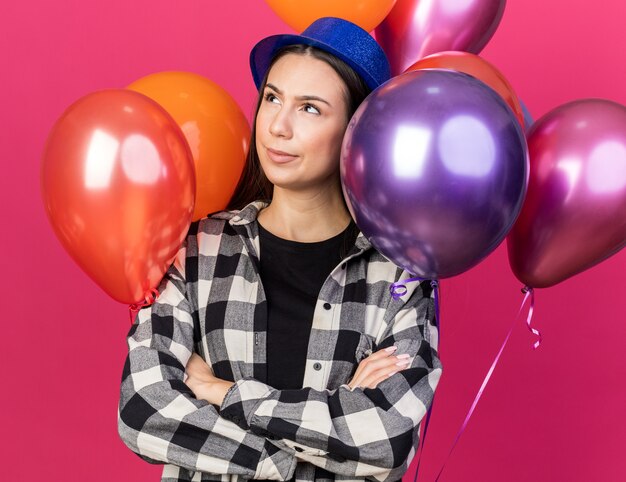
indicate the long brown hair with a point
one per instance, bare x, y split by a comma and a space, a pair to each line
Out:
253, 184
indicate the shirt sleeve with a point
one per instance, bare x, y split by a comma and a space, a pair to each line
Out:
362, 433
159, 417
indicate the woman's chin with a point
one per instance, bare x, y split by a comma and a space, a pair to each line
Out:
301, 179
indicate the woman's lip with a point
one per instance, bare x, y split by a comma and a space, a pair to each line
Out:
279, 156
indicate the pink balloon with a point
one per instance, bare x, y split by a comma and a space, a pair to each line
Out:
574, 215
417, 28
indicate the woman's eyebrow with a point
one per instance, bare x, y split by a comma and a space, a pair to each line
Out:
300, 97
274, 88
313, 97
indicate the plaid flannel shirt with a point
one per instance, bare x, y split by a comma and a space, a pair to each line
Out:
212, 302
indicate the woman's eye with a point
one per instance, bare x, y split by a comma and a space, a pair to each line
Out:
271, 98
311, 109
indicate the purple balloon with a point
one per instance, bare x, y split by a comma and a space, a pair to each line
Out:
417, 28
434, 168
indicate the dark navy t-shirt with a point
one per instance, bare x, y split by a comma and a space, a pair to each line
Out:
292, 274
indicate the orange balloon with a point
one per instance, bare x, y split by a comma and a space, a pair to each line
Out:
476, 67
216, 130
299, 15
118, 183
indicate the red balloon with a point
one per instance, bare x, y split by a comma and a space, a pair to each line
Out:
118, 186
417, 28
574, 214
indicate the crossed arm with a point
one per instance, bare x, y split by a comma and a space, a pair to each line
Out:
159, 417
371, 371
259, 432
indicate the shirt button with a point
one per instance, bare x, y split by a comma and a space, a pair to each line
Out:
327, 306
317, 366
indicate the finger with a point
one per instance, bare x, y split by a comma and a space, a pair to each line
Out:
382, 378
382, 369
377, 355
375, 383
367, 366
383, 353
372, 365
356, 376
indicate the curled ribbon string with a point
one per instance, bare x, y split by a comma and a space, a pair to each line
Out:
134, 308
398, 290
426, 422
528, 294
435, 285
534, 331
437, 295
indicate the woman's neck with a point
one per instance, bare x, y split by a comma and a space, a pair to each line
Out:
306, 217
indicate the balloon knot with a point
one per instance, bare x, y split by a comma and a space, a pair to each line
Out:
397, 290
149, 298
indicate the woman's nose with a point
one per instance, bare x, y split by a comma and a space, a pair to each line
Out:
281, 124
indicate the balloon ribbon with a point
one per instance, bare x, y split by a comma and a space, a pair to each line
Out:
148, 300
398, 290
529, 293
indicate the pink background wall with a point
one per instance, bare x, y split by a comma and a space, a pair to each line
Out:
554, 414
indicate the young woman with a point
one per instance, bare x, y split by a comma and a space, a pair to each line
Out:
274, 350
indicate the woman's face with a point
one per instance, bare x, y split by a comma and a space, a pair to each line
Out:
301, 122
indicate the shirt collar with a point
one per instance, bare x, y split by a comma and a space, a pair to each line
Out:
250, 213
362, 243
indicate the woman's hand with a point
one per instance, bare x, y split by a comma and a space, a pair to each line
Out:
377, 367
203, 383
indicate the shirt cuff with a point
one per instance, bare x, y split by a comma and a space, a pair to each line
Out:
242, 399
276, 464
